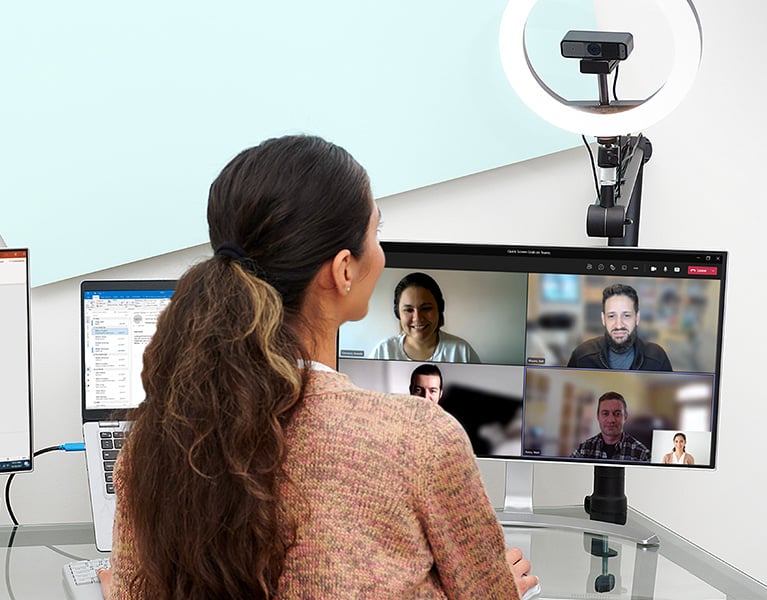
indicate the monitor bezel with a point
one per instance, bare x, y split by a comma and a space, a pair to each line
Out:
396, 251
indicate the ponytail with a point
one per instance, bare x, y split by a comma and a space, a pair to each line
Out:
222, 380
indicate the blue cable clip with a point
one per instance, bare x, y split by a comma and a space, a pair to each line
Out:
73, 447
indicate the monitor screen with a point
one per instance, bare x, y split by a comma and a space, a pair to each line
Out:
599, 355
15, 375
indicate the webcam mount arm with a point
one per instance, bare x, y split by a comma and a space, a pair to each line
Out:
615, 215
621, 158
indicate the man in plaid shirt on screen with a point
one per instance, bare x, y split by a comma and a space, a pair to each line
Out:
612, 442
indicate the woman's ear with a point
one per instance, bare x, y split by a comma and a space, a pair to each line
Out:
341, 272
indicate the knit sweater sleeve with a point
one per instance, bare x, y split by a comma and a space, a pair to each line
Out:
460, 524
124, 560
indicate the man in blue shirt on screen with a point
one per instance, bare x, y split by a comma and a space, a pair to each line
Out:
612, 442
620, 347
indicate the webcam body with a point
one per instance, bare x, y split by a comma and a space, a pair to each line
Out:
597, 45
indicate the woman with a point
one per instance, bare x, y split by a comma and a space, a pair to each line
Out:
253, 469
679, 456
420, 307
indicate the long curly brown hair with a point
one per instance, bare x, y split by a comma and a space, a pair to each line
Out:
222, 376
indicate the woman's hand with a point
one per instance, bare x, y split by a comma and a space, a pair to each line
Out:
520, 567
105, 577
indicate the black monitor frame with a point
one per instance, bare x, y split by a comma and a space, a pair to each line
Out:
673, 267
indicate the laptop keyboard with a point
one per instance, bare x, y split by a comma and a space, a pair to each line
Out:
111, 442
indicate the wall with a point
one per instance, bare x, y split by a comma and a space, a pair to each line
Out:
133, 133
702, 190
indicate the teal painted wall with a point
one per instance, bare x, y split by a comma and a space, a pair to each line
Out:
116, 117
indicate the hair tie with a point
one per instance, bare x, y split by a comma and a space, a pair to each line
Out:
237, 254
230, 249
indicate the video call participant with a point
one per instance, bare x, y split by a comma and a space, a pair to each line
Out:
420, 307
620, 347
253, 469
426, 382
679, 455
612, 442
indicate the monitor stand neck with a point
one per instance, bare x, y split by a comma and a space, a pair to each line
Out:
518, 510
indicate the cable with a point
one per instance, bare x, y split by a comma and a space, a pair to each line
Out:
593, 165
66, 554
615, 82
67, 447
8, 587
10, 480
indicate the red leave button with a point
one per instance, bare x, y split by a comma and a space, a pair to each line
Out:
702, 270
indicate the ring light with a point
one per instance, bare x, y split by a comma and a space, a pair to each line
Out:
610, 120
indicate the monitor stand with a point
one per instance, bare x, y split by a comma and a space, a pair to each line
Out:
518, 506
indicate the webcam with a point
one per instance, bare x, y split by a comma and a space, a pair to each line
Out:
597, 45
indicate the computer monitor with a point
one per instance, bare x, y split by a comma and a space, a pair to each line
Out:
16, 449
543, 351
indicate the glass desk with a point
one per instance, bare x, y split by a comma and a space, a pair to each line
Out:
571, 564
32, 557
576, 565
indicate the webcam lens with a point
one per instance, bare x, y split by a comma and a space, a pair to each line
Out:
594, 49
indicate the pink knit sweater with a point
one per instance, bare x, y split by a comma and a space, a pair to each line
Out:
391, 501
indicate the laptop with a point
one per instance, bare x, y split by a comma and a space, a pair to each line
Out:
117, 320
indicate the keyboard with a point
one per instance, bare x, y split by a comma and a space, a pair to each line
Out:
111, 443
80, 581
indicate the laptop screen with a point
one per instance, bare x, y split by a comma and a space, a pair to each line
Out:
118, 320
